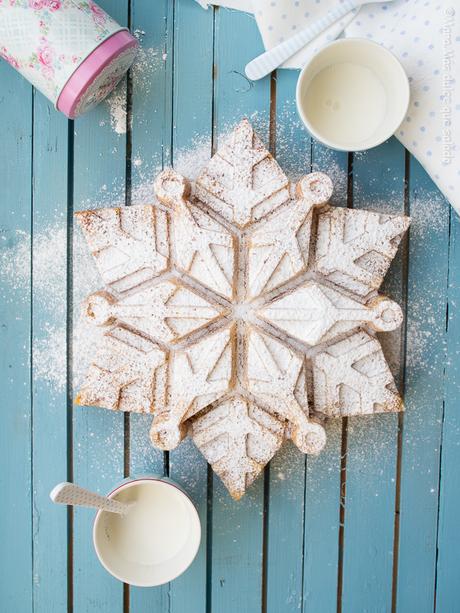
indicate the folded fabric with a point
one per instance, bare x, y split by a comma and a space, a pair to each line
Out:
423, 34
279, 19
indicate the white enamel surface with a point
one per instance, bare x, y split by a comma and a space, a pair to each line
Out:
353, 95
156, 541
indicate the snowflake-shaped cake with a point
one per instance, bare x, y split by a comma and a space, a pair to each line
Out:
241, 310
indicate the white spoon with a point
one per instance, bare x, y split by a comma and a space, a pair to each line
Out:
265, 63
74, 495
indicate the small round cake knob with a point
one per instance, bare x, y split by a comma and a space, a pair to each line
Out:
387, 315
316, 187
171, 187
166, 434
98, 308
310, 438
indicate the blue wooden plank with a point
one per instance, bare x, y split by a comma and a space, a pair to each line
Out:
424, 389
322, 522
237, 527
98, 434
323, 474
50, 168
15, 329
150, 124
151, 95
372, 441
188, 469
286, 493
192, 124
447, 584
285, 543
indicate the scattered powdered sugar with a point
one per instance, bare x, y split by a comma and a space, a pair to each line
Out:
430, 213
187, 161
85, 280
49, 276
15, 264
147, 61
49, 351
117, 103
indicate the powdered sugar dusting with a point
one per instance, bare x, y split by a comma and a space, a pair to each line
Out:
187, 161
148, 60
117, 104
50, 293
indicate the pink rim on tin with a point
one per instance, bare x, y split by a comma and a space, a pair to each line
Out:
98, 74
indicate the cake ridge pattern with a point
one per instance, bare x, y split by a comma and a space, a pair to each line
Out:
241, 310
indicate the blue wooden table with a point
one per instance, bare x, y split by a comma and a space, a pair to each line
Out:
370, 525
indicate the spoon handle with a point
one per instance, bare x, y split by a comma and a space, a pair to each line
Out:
69, 493
273, 58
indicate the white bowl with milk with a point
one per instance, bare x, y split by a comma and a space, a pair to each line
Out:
156, 540
353, 94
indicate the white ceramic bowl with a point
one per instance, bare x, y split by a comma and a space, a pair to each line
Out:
160, 539
353, 94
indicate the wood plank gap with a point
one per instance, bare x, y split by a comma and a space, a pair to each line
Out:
126, 451
128, 189
272, 118
129, 132
394, 591
166, 463
265, 537
439, 505
125, 598
403, 350
350, 181
442, 418
31, 356
442, 595
210, 472
343, 451
209, 541
128, 201
343, 492
170, 42
69, 349
302, 586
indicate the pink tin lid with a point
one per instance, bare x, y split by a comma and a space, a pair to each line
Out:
98, 74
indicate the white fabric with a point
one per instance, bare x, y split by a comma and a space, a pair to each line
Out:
426, 39
280, 19
424, 35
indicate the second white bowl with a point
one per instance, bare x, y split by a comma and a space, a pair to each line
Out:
353, 94
156, 541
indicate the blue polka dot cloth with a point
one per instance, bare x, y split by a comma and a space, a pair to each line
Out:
423, 34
